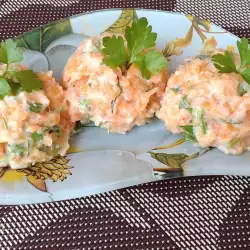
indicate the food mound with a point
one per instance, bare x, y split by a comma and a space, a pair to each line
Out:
207, 106
110, 90
33, 125
97, 93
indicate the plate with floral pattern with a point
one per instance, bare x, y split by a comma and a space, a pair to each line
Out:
98, 161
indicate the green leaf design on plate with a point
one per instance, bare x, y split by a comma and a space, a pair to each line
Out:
39, 184
126, 18
204, 23
176, 46
2, 171
55, 169
196, 23
40, 38
173, 161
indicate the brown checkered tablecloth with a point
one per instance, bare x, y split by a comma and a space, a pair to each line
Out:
189, 213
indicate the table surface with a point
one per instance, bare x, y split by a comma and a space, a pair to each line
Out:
210, 212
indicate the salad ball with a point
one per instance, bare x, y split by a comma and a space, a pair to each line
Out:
34, 126
110, 98
211, 109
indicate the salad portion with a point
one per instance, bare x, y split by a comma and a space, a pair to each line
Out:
34, 126
117, 82
208, 100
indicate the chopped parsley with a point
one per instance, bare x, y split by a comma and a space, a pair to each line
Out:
184, 104
5, 123
17, 149
203, 123
35, 107
176, 89
36, 136
55, 129
188, 133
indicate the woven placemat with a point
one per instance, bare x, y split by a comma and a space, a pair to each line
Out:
210, 212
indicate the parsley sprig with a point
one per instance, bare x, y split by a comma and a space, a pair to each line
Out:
225, 63
13, 81
137, 48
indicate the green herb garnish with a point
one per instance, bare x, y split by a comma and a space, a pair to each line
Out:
28, 80
184, 104
9, 53
12, 81
55, 129
35, 107
203, 123
55, 149
17, 149
139, 37
16, 88
4, 87
36, 136
151, 63
176, 90
5, 123
84, 103
225, 63
188, 133
29, 146
234, 142
114, 51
